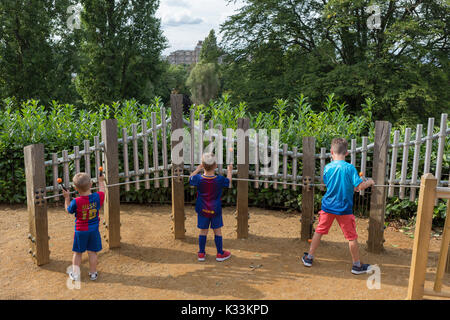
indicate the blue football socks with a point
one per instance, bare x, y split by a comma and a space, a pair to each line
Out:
218, 241
202, 243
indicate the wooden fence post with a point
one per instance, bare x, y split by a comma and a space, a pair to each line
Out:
111, 171
243, 171
378, 196
447, 225
443, 253
424, 219
447, 268
308, 174
37, 206
176, 102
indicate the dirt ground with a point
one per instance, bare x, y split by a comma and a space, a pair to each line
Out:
152, 265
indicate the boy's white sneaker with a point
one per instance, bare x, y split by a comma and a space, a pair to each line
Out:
74, 277
93, 276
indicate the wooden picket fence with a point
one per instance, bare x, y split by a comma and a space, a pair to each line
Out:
147, 164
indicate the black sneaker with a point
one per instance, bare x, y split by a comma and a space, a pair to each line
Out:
364, 268
306, 261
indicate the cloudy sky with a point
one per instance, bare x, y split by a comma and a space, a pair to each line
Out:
184, 22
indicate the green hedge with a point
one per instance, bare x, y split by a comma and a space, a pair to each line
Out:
61, 127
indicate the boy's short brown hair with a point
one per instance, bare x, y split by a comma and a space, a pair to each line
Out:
339, 146
209, 161
82, 181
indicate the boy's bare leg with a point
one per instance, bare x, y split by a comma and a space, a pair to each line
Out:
92, 261
354, 250
315, 243
76, 261
204, 232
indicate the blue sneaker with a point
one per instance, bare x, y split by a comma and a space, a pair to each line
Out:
306, 261
364, 268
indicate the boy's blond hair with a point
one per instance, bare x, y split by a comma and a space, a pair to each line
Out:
82, 181
339, 146
209, 161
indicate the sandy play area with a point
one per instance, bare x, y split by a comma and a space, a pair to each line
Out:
152, 265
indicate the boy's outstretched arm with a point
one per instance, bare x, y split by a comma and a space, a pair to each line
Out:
364, 185
196, 171
230, 172
66, 195
101, 184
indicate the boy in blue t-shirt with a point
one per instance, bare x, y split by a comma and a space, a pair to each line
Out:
341, 179
209, 205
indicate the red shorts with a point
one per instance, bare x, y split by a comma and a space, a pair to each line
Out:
346, 222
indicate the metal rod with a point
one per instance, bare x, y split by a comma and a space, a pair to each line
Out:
116, 184
233, 179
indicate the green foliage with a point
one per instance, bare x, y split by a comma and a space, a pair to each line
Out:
204, 78
280, 48
121, 51
59, 127
203, 82
210, 51
406, 209
62, 126
116, 54
32, 61
174, 79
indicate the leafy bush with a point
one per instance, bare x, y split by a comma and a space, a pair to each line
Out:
60, 127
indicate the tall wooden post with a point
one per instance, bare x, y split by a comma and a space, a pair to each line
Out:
447, 268
176, 102
378, 196
447, 228
308, 174
443, 253
243, 125
424, 219
111, 171
37, 206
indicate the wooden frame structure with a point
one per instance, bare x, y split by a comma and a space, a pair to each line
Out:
113, 154
429, 192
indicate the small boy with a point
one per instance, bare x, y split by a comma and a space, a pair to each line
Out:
86, 209
341, 179
209, 205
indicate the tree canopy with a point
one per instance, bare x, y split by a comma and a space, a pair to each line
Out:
116, 53
204, 78
210, 50
121, 51
281, 48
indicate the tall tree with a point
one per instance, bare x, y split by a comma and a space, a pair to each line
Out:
203, 82
204, 79
320, 47
26, 59
210, 51
121, 51
173, 79
66, 44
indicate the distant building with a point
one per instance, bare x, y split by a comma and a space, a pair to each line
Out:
186, 56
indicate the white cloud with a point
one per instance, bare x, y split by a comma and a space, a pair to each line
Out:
180, 18
177, 3
184, 23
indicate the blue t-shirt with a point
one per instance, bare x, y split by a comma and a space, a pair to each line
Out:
340, 178
209, 192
